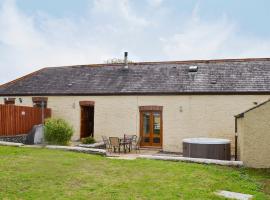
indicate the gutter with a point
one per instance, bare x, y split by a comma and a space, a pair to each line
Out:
133, 93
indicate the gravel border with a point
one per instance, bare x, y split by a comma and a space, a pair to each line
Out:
14, 138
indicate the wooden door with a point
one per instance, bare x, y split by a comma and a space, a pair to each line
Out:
151, 128
87, 121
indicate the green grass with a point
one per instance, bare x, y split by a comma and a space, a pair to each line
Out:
28, 173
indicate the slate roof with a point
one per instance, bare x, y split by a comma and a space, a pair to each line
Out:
213, 76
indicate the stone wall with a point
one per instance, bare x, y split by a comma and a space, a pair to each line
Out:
35, 136
15, 138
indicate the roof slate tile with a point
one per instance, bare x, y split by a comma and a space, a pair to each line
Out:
227, 76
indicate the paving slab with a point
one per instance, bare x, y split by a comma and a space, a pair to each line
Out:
234, 195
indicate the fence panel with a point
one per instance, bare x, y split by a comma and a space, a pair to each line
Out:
17, 120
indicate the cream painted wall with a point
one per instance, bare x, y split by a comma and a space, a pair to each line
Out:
184, 116
254, 137
240, 144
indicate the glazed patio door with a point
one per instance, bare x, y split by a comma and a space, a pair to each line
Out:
151, 128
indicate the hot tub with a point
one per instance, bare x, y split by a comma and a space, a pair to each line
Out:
211, 148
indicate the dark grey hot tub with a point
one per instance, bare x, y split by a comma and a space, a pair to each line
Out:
211, 148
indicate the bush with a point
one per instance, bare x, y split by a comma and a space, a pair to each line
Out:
57, 131
88, 140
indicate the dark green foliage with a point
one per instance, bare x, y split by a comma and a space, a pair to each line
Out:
88, 140
57, 131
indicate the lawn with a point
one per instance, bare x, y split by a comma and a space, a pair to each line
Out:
28, 173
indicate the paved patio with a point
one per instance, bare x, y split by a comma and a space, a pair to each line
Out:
157, 154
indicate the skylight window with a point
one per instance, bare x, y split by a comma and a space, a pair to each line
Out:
193, 68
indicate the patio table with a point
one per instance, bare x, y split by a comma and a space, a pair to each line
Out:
125, 142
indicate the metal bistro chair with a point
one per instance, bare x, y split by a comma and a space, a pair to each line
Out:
133, 141
137, 145
107, 143
129, 141
115, 143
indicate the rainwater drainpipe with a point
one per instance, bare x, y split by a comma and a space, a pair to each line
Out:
236, 133
42, 112
235, 137
42, 118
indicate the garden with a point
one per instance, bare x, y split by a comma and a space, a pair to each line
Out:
38, 173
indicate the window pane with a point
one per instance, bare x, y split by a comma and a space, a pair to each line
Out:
156, 123
9, 101
38, 104
146, 123
146, 139
156, 140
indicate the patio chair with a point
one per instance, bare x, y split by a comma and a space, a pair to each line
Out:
115, 143
130, 139
134, 139
137, 145
107, 143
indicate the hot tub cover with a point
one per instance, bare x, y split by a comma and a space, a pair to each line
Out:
206, 141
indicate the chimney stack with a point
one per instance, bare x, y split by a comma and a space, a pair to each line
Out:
126, 60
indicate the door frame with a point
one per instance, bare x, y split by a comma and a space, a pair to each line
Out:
82, 105
151, 109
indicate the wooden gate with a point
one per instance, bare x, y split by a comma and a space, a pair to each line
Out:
17, 120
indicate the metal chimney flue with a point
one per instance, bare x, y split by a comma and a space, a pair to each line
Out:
126, 60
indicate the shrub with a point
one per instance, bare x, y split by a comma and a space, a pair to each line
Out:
57, 131
88, 140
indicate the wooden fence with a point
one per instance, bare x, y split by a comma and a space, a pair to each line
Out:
17, 120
